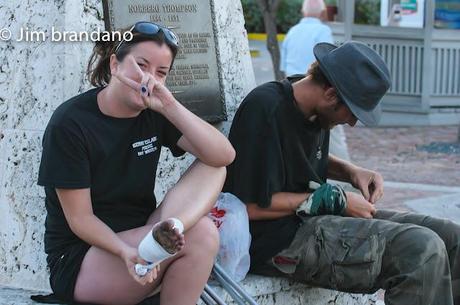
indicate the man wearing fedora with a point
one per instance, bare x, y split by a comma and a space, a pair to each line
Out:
313, 231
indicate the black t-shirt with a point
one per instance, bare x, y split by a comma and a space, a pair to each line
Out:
116, 158
277, 150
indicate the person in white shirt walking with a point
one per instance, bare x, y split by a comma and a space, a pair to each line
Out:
297, 49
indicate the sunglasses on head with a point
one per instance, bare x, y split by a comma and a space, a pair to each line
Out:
152, 29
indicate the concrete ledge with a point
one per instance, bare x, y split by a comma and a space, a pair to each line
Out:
271, 291
266, 291
16, 296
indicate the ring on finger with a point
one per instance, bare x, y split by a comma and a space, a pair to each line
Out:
144, 90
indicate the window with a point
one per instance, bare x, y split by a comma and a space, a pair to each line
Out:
447, 14
396, 13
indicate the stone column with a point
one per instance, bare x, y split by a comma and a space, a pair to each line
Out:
35, 78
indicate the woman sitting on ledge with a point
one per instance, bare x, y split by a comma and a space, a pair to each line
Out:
100, 155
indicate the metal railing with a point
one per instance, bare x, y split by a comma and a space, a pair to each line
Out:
446, 80
234, 290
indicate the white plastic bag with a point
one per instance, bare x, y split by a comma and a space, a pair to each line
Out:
231, 218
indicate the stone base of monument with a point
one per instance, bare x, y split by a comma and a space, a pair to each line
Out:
273, 291
265, 290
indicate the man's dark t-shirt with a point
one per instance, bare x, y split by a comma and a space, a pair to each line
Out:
116, 158
277, 150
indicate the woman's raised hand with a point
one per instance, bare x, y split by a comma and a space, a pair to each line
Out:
154, 93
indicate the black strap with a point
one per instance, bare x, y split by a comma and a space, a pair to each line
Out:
53, 299
47, 299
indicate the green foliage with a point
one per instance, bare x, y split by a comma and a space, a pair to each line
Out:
288, 15
367, 12
253, 18
331, 2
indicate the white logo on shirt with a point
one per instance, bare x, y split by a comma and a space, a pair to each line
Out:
145, 147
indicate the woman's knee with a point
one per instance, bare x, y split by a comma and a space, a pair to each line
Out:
221, 173
217, 172
203, 237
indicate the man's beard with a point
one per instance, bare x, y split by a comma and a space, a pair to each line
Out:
325, 122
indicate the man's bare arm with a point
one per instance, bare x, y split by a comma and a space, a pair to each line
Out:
282, 204
339, 169
369, 182
285, 204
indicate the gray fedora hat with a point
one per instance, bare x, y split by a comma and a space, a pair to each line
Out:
359, 75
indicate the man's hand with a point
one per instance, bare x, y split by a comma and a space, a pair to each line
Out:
370, 183
359, 207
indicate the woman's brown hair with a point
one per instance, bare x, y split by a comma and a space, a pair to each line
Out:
98, 69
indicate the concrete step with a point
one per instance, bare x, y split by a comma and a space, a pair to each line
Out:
266, 291
17, 296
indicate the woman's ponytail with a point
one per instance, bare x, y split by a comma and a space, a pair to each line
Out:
98, 70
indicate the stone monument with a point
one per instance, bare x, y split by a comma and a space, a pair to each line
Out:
196, 77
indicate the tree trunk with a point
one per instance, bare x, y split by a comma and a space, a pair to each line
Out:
269, 9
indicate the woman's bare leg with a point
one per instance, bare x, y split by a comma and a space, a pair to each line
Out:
184, 279
103, 277
193, 196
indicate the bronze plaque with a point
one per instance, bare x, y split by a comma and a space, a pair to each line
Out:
196, 78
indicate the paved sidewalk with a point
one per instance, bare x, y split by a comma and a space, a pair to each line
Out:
405, 154
419, 177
